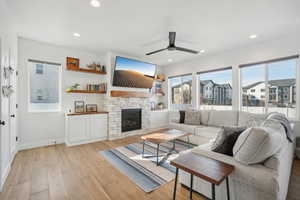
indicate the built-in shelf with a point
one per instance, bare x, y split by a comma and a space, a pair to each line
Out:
129, 94
87, 71
87, 113
87, 91
159, 94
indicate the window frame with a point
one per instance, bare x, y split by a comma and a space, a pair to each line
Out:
170, 98
267, 91
29, 109
198, 100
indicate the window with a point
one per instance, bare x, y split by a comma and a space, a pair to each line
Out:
276, 81
44, 86
180, 88
219, 96
282, 80
252, 78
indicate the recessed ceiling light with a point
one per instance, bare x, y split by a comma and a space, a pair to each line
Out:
253, 36
76, 34
170, 60
95, 3
202, 51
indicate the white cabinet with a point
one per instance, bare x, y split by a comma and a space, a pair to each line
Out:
98, 126
82, 129
159, 118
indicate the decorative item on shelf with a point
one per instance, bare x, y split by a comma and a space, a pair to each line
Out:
76, 86
160, 77
7, 90
79, 106
103, 68
152, 105
91, 108
96, 87
8, 71
157, 89
160, 105
72, 63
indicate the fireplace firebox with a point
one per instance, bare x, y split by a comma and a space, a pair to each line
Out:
131, 119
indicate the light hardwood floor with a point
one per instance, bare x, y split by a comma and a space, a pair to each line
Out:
81, 173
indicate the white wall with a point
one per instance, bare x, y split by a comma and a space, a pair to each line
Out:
37, 129
281, 47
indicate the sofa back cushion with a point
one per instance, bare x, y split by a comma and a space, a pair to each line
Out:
247, 119
257, 144
204, 117
174, 116
223, 118
192, 117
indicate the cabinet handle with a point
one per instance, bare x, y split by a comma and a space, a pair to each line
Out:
2, 123
12, 116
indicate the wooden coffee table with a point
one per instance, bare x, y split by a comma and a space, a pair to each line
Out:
210, 170
162, 136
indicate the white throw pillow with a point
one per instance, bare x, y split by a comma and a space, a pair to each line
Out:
256, 144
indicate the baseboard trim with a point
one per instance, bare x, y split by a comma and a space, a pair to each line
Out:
41, 143
4, 177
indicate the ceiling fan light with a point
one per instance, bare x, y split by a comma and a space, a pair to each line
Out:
95, 3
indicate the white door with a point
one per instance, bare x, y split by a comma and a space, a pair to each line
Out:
98, 126
78, 129
13, 102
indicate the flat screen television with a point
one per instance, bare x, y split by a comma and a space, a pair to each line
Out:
133, 73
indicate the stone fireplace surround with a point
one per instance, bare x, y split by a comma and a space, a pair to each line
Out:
114, 106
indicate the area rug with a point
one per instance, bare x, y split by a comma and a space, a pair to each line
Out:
143, 171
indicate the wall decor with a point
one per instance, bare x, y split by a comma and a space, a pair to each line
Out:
91, 108
8, 71
72, 63
7, 90
79, 106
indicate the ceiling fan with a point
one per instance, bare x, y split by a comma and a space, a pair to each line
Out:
172, 47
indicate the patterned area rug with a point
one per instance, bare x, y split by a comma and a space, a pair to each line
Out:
143, 171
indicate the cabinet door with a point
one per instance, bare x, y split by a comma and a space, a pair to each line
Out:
99, 126
78, 129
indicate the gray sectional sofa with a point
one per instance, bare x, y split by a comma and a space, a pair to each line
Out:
267, 180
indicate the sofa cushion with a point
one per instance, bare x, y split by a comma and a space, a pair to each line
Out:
254, 176
196, 140
223, 118
204, 117
183, 127
192, 117
208, 131
246, 119
174, 116
256, 144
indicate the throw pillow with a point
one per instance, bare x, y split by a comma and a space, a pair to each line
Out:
226, 139
256, 144
192, 117
182, 116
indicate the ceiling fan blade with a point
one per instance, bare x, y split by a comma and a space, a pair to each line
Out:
172, 37
186, 50
153, 52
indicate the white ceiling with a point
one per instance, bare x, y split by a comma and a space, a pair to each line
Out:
139, 26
